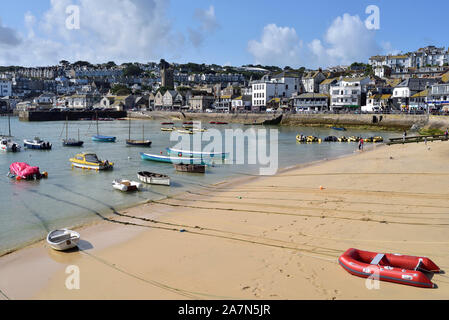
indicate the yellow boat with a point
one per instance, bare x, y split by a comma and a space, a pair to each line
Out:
199, 130
353, 139
378, 139
168, 129
369, 139
342, 139
185, 131
90, 161
300, 138
313, 139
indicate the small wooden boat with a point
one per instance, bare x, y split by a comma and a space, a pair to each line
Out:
63, 239
154, 178
23, 171
168, 129
37, 144
188, 122
219, 122
193, 168
167, 123
213, 122
189, 153
90, 161
408, 270
169, 159
69, 142
126, 185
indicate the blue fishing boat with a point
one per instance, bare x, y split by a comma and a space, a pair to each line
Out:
99, 138
200, 154
339, 128
37, 144
169, 159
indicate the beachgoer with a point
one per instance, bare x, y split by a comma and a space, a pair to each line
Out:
446, 133
404, 136
361, 144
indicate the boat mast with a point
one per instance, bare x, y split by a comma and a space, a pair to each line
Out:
129, 129
96, 115
9, 120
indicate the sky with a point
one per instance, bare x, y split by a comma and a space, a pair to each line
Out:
291, 33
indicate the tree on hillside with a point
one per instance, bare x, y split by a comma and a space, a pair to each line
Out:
120, 90
132, 71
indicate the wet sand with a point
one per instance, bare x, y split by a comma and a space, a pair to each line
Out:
274, 237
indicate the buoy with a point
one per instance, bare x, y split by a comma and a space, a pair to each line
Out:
321, 188
45, 174
18, 178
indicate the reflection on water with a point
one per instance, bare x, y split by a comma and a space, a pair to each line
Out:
70, 197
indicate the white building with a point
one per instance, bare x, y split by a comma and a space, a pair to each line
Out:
311, 102
282, 85
5, 88
347, 93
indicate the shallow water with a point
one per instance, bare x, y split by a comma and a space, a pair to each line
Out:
71, 197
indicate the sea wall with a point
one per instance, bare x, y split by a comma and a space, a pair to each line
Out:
381, 121
71, 115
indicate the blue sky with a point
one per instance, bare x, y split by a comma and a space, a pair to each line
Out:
295, 33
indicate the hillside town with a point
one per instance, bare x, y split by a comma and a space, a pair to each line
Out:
414, 82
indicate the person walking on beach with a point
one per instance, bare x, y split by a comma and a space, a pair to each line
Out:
446, 133
361, 144
404, 136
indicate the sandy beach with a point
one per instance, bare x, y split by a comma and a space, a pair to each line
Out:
275, 237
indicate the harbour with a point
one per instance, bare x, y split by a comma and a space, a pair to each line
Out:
72, 197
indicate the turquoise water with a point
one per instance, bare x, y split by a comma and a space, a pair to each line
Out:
71, 197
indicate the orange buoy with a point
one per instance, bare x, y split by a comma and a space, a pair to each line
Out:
321, 188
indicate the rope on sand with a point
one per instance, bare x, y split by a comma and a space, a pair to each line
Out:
4, 295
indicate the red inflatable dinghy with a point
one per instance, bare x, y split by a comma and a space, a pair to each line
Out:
389, 267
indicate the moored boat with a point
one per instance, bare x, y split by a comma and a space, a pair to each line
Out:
168, 129
342, 139
63, 239
167, 123
8, 145
313, 139
137, 143
100, 138
90, 161
37, 144
153, 178
189, 153
185, 131
23, 171
397, 268
126, 185
354, 139
331, 139
169, 159
338, 128
192, 168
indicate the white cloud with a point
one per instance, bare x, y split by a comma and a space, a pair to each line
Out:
8, 37
277, 46
208, 24
346, 40
120, 30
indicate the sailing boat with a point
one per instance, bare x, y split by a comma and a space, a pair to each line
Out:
6, 144
100, 138
140, 143
71, 142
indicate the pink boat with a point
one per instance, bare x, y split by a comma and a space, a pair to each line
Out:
23, 171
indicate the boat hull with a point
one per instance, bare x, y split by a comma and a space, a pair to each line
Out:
139, 143
103, 139
168, 159
154, 178
192, 168
69, 143
188, 153
37, 146
395, 268
62, 240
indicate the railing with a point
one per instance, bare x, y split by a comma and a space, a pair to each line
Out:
417, 139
